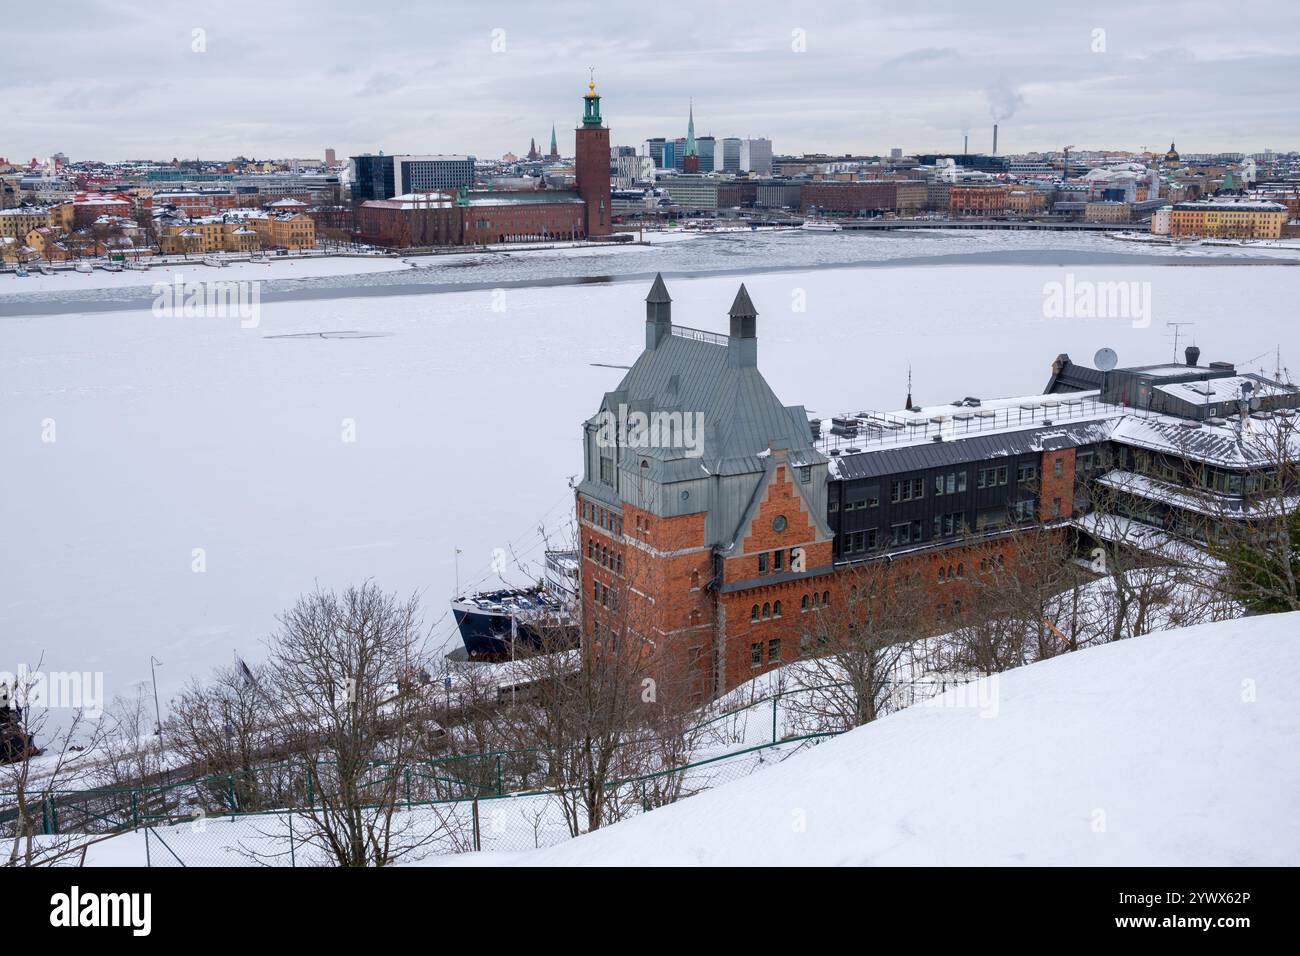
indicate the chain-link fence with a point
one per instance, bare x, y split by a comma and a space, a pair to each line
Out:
514, 822
494, 800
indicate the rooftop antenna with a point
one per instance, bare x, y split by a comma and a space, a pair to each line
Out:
908, 406
1177, 327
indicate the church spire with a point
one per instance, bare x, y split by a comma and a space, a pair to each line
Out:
555, 149
691, 148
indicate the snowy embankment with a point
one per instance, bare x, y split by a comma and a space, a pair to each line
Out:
1171, 749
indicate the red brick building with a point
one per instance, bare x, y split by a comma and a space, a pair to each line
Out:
717, 526
88, 206
489, 218
191, 203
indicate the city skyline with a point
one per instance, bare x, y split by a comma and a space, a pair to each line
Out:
841, 80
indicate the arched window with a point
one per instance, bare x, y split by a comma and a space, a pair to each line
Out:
942, 577
695, 580
817, 600
767, 610
961, 570
753, 613
803, 603
826, 598
776, 609
591, 547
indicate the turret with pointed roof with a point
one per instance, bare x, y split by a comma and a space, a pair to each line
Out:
658, 313
742, 349
555, 149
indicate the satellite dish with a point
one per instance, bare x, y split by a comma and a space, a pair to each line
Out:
1105, 359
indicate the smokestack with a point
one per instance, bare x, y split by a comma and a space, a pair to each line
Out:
995, 139
965, 143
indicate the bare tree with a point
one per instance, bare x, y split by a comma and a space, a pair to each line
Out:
1256, 528
346, 686
860, 648
225, 728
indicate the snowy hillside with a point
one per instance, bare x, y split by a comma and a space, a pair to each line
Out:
1162, 750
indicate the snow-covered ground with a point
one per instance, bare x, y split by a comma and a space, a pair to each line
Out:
1165, 750
184, 444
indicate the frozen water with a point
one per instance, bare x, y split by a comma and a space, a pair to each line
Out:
179, 434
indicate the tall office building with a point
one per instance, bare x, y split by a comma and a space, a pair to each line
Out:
654, 148
372, 177
731, 155
707, 148
418, 174
756, 157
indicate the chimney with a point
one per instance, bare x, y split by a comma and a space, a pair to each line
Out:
658, 313
742, 350
995, 139
1192, 353
965, 143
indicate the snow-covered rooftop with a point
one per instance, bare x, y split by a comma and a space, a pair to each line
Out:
953, 422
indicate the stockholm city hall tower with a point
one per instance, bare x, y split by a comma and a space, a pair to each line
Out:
591, 164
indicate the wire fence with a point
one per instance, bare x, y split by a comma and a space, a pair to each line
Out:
510, 823
756, 726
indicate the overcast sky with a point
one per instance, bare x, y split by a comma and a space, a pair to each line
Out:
119, 80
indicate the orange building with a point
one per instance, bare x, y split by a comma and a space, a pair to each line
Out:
977, 201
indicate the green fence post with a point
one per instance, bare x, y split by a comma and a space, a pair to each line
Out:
293, 861
500, 788
47, 817
407, 773
230, 792
311, 790
135, 809
775, 698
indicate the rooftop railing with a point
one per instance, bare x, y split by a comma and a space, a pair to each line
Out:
877, 429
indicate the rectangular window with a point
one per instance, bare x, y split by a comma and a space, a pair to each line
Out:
762, 563
856, 542
1026, 471
1056, 507
907, 489
906, 533
1058, 467
756, 655
805, 474
778, 559
993, 477
774, 651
